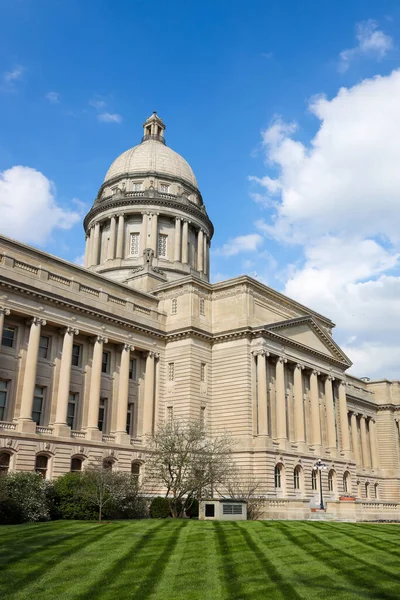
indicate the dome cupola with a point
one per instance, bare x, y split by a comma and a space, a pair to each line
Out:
149, 216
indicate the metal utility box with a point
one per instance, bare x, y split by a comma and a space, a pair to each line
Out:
223, 509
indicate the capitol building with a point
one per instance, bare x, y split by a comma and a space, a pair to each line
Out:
92, 358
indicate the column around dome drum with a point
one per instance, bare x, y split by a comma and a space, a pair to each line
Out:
120, 236
185, 233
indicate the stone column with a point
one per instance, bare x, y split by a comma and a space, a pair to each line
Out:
315, 416
208, 257
4, 312
123, 394
96, 244
262, 412
344, 423
95, 388
60, 423
154, 233
374, 444
87, 250
185, 235
143, 235
280, 396
200, 250
29, 382
120, 236
298, 405
205, 261
330, 414
149, 389
177, 255
111, 241
354, 437
364, 442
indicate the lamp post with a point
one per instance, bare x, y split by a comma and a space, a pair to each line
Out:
320, 466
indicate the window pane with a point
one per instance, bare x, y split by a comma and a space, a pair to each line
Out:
135, 244
8, 337
71, 411
162, 245
76, 355
105, 362
44, 346
132, 369
76, 464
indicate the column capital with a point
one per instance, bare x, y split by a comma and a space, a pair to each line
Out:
69, 330
282, 359
260, 352
128, 347
114, 216
4, 311
99, 338
37, 321
122, 214
299, 366
342, 382
315, 372
178, 219
329, 377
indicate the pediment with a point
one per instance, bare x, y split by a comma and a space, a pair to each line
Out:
306, 332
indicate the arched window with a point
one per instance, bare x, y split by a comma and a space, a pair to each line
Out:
4, 463
135, 470
314, 485
108, 464
367, 489
297, 477
76, 464
376, 491
332, 481
278, 483
41, 465
346, 482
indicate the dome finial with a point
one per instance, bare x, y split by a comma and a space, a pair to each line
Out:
154, 129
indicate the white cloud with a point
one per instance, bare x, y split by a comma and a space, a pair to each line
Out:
106, 117
338, 199
14, 75
28, 209
240, 244
53, 97
98, 104
371, 41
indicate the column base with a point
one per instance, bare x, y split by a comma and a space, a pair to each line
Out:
94, 435
121, 437
61, 430
26, 426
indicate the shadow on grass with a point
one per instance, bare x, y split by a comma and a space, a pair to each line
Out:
364, 538
344, 563
60, 553
230, 575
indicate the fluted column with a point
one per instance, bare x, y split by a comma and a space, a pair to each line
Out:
344, 422
185, 232
154, 233
96, 245
354, 438
177, 254
143, 235
111, 241
123, 392
298, 404
149, 389
95, 387
28, 386
280, 395
374, 444
315, 416
205, 261
4, 312
330, 414
262, 412
87, 250
64, 380
364, 442
200, 250
120, 236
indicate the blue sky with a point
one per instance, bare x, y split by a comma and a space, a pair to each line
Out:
237, 84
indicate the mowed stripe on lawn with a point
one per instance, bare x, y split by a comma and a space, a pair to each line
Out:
193, 560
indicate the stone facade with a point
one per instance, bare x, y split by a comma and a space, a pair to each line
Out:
93, 358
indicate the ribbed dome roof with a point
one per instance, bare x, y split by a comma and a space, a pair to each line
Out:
151, 156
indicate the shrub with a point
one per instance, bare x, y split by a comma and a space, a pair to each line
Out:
71, 501
24, 497
160, 508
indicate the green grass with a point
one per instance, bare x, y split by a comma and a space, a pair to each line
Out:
193, 560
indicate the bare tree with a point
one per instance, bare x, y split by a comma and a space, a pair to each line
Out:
187, 462
246, 487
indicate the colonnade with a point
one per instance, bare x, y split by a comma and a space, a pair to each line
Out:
281, 433
60, 423
368, 456
115, 248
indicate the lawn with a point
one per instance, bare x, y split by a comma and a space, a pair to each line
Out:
194, 560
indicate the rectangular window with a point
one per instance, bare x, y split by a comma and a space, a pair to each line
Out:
170, 414
129, 417
171, 371
162, 245
105, 363
137, 187
174, 306
3, 398
232, 509
135, 244
210, 510
203, 372
202, 306
164, 188
44, 346
133, 369
71, 410
8, 338
76, 355
38, 404
102, 414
